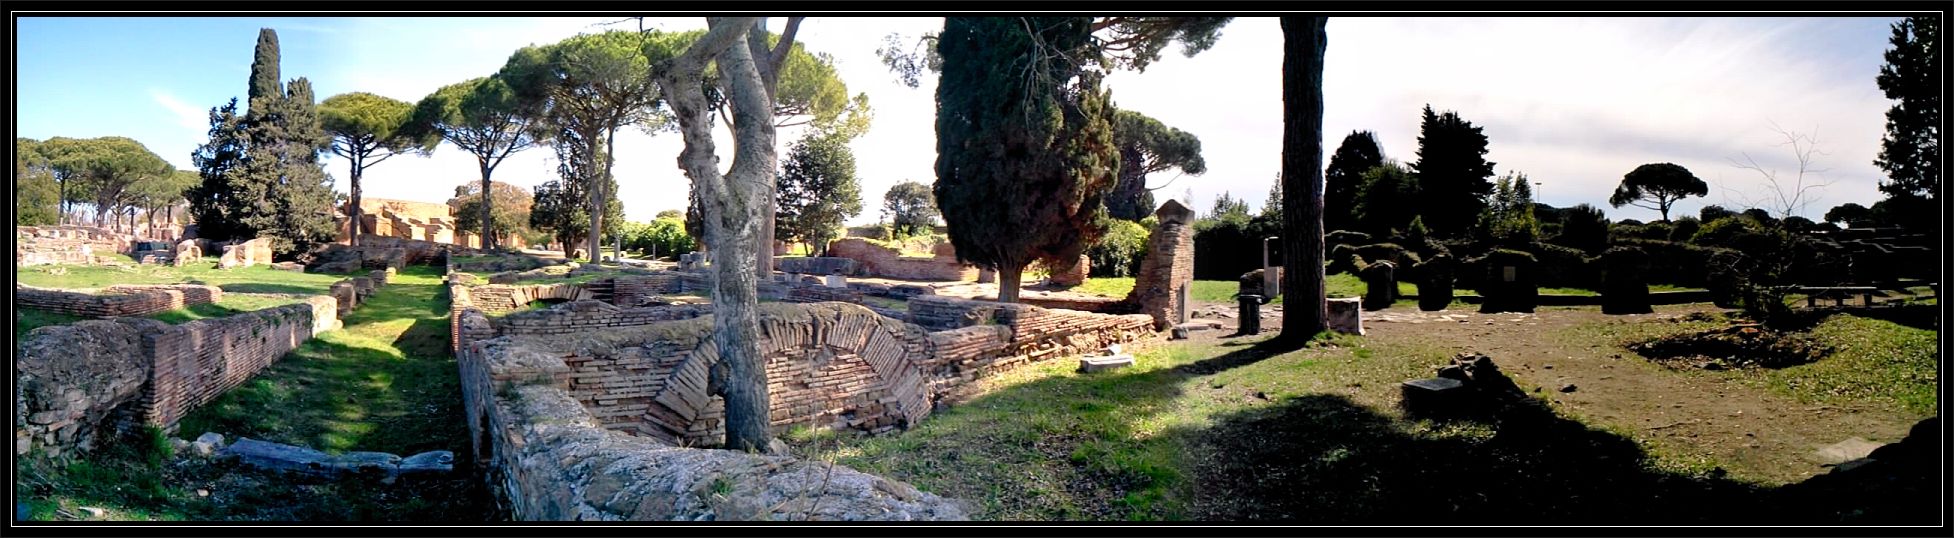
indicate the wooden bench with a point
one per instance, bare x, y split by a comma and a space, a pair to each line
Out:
1838, 294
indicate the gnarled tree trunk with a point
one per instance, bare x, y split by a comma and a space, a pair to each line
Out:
734, 203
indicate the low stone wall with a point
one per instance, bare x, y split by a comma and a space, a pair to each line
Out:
815, 265
821, 294
82, 380
631, 290
881, 261
1097, 305
124, 300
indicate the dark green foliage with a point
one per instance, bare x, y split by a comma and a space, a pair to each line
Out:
264, 82
1910, 151
1756, 273
910, 208
1657, 186
1563, 267
1657, 231
1346, 237
1584, 227
1147, 146
1847, 214
1119, 252
1381, 203
1392, 252
1684, 228
1452, 173
1762, 217
484, 117
261, 175
817, 190
1724, 232
1342, 258
1229, 241
1136, 42
1675, 263
37, 198
1797, 224
1358, 153
1024, 141
1713, 213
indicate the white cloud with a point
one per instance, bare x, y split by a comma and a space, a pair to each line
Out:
189, 117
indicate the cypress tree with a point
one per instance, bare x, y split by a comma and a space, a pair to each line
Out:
1453, 173
264, 70
1025, 150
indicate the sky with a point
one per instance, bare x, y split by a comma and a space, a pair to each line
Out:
1573, 103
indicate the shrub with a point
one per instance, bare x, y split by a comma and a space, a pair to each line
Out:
1678, 264
1583, 227
1725, 232
1392, 252
1658, 231
1119, 251
1346, 237
1224, 248
1684, 228
1563, 267
1713, 213
1343, 258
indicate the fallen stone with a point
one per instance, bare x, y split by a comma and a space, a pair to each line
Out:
1569, 387
279, 457
428, 462
1847, 450
1424, 397
288, 266
1200, 325
1099, 364
211, 438
93, 512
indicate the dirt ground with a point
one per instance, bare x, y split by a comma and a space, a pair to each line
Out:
1754, 434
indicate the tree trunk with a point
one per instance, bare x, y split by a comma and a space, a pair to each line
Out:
597, 195
1304, 41
1009, 277
732, 217
488, 238
353, 205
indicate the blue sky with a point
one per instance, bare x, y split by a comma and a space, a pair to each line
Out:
1573, 103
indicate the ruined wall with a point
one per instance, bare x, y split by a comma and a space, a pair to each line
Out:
587, 315
124, 300
1168, 265
505, 297
821, 294
630, 290
549, 459
84, 245
880, 261
112, 376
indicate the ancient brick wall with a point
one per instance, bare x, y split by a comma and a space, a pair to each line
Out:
589, 315
1168, 265
505, 297
820, 294
111, 376
630, 290
123, 300
880, 261
41, 245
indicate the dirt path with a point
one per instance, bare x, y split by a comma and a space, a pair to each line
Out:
1753, 433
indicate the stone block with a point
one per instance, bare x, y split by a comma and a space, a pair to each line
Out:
1432, 397
1345, 315
1100, 364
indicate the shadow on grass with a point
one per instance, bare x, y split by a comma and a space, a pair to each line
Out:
1322, 458
1925, 317
261, 287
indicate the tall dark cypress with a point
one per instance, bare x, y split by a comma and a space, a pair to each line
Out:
264, 71
1358, 154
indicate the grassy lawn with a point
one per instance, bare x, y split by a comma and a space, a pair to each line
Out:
384, 383
1873, 360
1230, 431
254, 279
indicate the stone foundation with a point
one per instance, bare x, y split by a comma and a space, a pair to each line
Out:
81, 245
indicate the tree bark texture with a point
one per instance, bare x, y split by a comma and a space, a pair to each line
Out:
733, 203
1304, 41
488, 239
353, 209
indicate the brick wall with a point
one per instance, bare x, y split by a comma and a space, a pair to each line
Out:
588, 315
630, 290
123, 300
880, 261
819, 294
78, 381
505, 297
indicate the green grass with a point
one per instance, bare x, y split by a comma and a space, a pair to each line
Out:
31, 319
1202, 290
1874, 361
384, 383
254, 279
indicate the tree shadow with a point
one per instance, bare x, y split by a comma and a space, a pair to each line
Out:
1322, 458
1919, 316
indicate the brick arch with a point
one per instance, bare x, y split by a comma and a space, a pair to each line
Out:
834, 364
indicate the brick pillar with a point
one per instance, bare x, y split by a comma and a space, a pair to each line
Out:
1168, 266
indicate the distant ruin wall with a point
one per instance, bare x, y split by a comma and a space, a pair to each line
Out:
81, 380
880, 261
83, 245
124, 300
